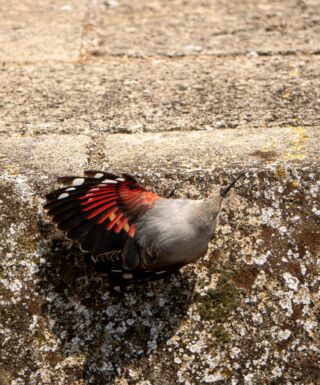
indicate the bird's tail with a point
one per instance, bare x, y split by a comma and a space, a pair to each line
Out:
224, 191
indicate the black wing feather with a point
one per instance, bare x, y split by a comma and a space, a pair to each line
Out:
91, 211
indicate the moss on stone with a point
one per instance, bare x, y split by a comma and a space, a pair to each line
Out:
221, 334
218, 303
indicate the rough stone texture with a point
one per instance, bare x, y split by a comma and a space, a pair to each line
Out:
248, 309
153, 95
193, 27
248, 313
43, 156
206, 150
37, 30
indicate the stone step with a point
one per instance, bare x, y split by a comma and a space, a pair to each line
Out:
257, 287
192, 27
160, 95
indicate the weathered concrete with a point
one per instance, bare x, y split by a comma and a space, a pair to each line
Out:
37, 30
43, 156
77, 77
185, 151
154, 95
192, 27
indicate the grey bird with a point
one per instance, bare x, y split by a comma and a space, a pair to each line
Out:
135, 232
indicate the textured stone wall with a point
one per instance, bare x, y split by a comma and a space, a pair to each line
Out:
184, 95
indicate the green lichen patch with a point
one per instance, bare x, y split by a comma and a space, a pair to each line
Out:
221, 334
218, 303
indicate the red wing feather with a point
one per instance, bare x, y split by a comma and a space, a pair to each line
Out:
99, 210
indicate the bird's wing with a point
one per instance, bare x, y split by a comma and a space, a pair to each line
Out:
99, 210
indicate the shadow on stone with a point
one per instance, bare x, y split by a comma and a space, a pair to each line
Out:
110, 326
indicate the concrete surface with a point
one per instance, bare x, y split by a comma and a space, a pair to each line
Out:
185, 95
136, 95
38, 30
192, 27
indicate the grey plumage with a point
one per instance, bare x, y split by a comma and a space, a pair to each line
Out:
177, 231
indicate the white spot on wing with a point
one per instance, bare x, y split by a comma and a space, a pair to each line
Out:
78, 181
70, 189
127, 276
120, 179
63, 195
109, 181
98, 175
116, 271
160, 272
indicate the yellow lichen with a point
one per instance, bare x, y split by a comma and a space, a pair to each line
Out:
280, 172
296, 150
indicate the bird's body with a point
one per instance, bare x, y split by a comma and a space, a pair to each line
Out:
182, 236
135, 232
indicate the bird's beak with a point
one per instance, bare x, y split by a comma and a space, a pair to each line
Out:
224, 192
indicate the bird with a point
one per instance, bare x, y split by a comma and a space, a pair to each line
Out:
134, 232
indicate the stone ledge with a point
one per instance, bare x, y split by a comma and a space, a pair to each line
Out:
157, 95
246, 313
